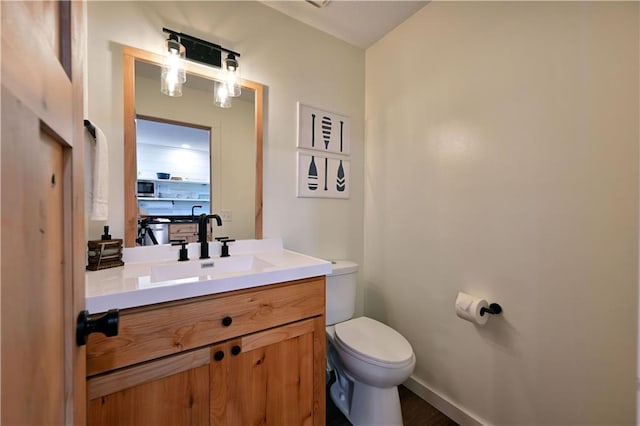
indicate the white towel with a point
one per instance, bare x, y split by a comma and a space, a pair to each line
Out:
100, 196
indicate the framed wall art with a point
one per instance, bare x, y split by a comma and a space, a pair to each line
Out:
323, 176
322, 130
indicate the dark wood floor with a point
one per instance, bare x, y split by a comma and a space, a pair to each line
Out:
415, 412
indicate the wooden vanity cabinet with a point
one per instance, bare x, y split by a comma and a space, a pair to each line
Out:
182, 363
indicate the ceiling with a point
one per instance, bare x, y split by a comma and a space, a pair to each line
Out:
174, 135
358, 22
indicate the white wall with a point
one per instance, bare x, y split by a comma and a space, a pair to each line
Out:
294, 61
502, 160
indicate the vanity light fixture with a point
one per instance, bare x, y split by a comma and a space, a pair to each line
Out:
221, 97
207, 53
173, 73
232, 77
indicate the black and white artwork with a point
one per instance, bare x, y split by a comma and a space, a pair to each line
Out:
323, 176
323, 130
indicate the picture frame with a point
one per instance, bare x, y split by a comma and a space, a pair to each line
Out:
323, 176
322, 130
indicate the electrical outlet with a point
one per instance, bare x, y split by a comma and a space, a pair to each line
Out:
226, 215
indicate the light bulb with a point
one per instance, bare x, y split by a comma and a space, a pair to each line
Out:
221, 95
232, 75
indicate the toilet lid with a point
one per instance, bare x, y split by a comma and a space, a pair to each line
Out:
373, 340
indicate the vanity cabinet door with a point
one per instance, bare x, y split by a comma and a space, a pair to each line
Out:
273, 377
170, 391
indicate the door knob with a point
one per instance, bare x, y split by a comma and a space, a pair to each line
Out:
106, 324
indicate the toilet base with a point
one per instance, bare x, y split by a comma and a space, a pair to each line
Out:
369, 406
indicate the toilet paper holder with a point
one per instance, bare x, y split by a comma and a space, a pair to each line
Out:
493, 309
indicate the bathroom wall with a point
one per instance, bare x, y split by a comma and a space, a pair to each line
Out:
502, 160
294, 61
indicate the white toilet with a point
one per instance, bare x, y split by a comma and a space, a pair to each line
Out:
369, 358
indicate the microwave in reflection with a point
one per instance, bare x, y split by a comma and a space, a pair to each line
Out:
146, 188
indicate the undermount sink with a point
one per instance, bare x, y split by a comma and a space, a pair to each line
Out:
153, 274
208, 268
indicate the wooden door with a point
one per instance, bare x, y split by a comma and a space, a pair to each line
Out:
42, 212
170, 391
268, 378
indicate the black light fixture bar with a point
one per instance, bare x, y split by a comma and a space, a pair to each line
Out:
201, 50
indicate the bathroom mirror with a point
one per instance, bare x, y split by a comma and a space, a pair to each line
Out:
142, 97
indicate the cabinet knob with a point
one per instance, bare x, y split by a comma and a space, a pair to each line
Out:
226, 321
235, 350
218, 356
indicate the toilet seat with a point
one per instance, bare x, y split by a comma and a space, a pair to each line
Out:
374, 343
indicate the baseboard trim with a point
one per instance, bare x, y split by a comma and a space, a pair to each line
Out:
448, 408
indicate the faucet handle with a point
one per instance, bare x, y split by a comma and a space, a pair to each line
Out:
184, 253
224, 251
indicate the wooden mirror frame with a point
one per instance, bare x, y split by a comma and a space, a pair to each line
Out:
130, 56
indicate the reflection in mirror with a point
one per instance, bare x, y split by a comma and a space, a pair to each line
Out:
223, 175
173, 177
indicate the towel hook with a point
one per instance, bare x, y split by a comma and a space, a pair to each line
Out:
90, 127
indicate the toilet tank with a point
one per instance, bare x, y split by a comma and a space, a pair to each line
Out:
341, 291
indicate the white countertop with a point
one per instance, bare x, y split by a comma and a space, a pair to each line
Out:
154, 275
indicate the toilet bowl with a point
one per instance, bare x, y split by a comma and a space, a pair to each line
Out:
369, 358
373, 352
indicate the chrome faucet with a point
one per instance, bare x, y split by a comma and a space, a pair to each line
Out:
203, 221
